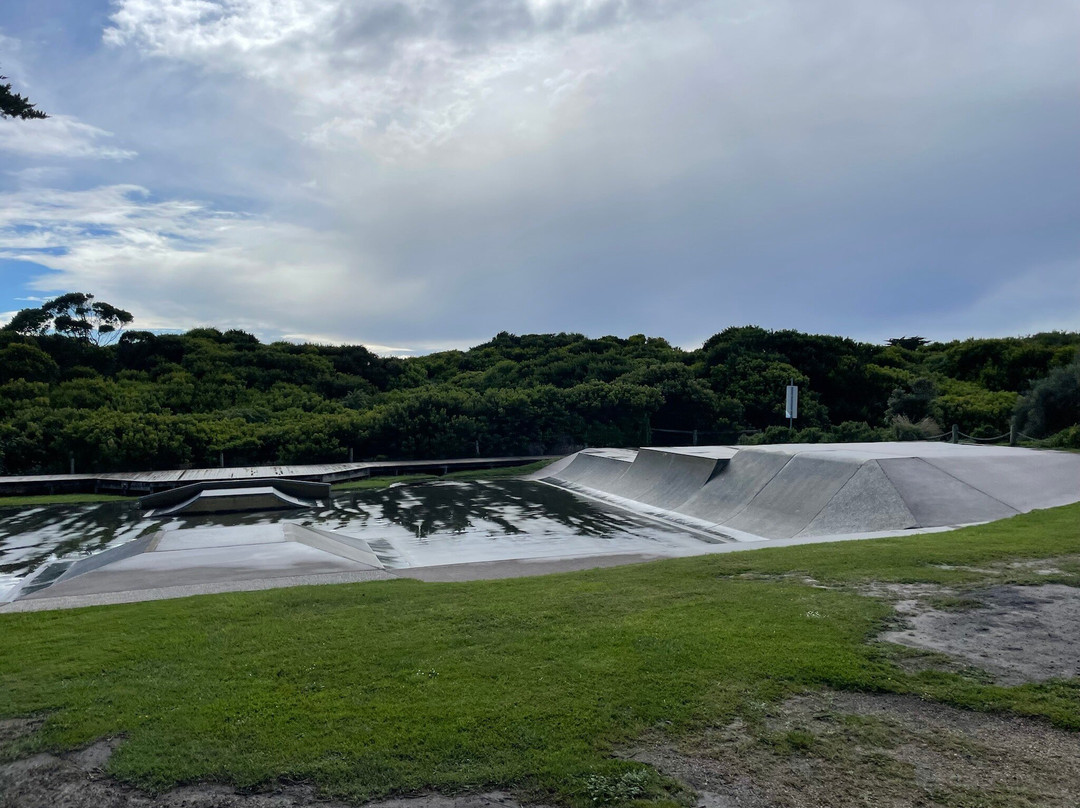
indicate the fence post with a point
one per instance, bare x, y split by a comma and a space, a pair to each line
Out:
695, 437
955, 433
648, 432
1012, 434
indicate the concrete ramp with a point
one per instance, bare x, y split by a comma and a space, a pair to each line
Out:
936, 497
868, 502
232, 496
599, 469
796, 490
735, 486
666, 479
791, 500
174, 563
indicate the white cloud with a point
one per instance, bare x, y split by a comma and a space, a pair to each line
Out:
58, 136
164, 260
396, 78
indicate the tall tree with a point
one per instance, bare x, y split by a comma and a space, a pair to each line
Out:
75, 314
13, 105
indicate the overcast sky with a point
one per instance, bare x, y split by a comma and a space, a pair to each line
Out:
417, 174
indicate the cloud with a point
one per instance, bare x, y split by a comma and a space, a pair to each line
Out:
425, 173
168, 260
58, 136
400, 77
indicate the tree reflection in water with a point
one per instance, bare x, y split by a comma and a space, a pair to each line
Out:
31, 536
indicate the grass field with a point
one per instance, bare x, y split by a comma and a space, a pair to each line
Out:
530, 684
58, 499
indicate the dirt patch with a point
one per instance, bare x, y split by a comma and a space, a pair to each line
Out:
77, 780
1016, 633
839, 749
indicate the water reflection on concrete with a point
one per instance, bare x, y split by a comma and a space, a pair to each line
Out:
406, 525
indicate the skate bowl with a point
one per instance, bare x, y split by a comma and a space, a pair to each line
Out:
789, 491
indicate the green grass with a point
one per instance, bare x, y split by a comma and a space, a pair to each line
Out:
59, 499
526, 684
471, 474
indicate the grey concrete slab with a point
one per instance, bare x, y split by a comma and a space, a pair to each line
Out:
205, 537
1025, 480
192, 568
327, 541
520, 567
666, 479
110, 556
168, 592
935, 497
596, 470
734, 486
789, 501
866, 502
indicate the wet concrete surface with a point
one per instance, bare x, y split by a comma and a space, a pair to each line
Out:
439, 524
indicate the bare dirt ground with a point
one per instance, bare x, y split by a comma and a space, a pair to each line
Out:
1016, 633
848, 749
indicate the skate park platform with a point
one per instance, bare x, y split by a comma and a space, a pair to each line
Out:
793, 491
598, 507
235, 496
177, 563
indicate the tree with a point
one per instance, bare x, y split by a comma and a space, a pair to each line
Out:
13, 105
1052, 404
75, 314
908, 343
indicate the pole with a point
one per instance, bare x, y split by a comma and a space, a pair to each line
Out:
955, 433
791, 419
1012, 433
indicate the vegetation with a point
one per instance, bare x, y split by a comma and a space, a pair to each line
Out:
13, 105
528, 684
166, 401
58, 499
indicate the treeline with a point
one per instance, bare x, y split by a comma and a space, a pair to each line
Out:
166, 401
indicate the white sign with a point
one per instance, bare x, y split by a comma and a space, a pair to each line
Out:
792, 407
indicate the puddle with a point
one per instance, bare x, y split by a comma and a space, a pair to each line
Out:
421, 524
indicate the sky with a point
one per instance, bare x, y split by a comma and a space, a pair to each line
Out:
418, 175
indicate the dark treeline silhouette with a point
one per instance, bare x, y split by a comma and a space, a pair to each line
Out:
166, 401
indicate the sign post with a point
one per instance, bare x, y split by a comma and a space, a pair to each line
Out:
791, 409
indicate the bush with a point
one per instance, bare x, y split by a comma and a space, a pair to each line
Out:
1066, 438
1052, 404
903, 429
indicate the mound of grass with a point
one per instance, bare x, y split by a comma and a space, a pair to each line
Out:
526, 684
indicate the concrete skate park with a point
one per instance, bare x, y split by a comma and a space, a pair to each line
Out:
623, 506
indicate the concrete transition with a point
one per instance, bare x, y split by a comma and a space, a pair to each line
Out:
793, 491
174, 563
229, 496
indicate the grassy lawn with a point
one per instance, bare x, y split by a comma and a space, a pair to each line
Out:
527, 684
472, 474
58, 499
